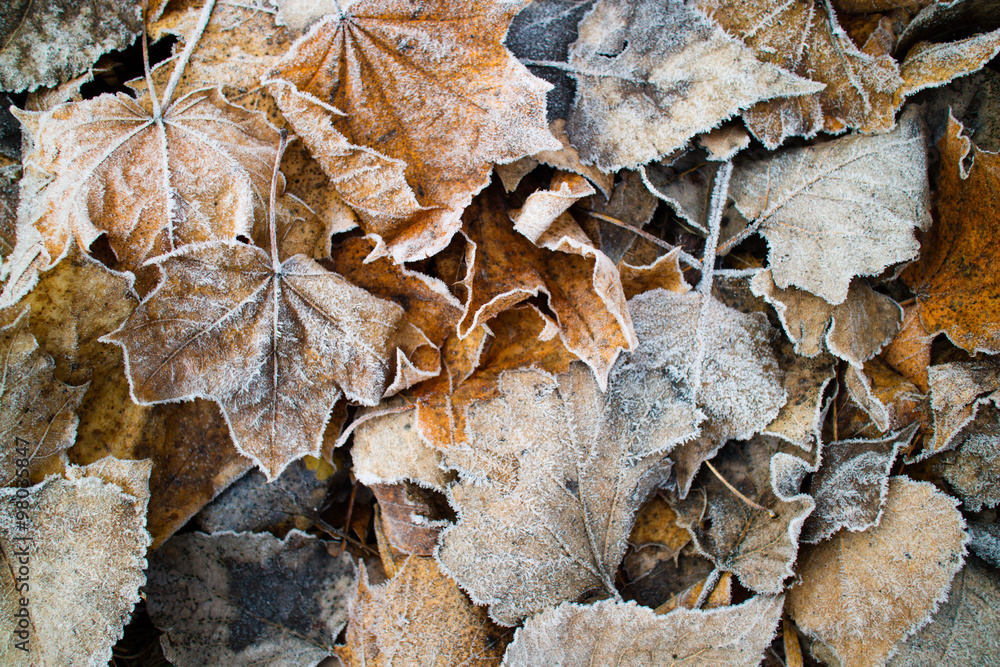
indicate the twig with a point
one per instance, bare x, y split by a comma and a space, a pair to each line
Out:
737, 493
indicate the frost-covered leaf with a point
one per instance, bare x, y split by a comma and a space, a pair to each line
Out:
248, 598
46, 42
37, 412
851, 484
985, 541
274, 345
890, 400
451, 102
973, 470
805, 37
909, 353
928, 65
664, 273
84, 540
861, 593
965, 630
388, 449
629, 203
855, 330
626, 634
107, 165
757, 544
954, 294
806, 380
419, 618
838, 209
412, 517
656, 523
651, 74
958, 390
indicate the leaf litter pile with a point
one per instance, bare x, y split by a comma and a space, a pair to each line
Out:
570, 332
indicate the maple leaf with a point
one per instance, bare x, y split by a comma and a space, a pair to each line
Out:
151, 182
419, 617
205, 592
616, 633
273, 344
86, 545
650, 76
407, 106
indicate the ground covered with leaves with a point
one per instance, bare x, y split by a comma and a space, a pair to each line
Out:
474, 332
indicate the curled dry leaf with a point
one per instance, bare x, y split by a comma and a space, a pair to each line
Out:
199, 172
957, 392
274, 345
851, 485
624, 633
84, 541
419, 618
248, 598
928, 65
757, 544
664, 273
806, 38
954, 294
973, 470
412, 517
37, 412
839, 209
854, 330
653, 74
406, 171
50, 41
861, 612
889, 399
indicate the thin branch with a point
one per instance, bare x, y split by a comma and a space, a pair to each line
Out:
737, 493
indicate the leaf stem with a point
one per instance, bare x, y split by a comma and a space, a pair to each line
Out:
271, 216
189, 47
157, 113
737, 493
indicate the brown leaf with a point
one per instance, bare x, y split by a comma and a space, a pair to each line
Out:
806, 380
274, 345
909, 353
664, 273
957, 392
108, 165
412, 517
928, 65
419, 618
85, 543
617, 633
973, 471
487, 108
806, 38
214, 596
861, 611
890, 400
38, 418
954, 294
656, 523
567, 158
651, 75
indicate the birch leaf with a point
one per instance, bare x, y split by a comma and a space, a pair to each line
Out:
861, 612
86, 551
214, 598
452, 101
651, 75
626, 634
48, 42
274, 345
973, 470
838, 209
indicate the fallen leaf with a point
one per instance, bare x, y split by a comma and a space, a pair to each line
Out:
199, 172
412, 517
419, 618
839, 209
685, 187
854, 330
214, 598
909, 353
721, 594
851, 485
38, 417
665, 273
46, 43
954, 294
973, 470
274, 345
566, 158
861, 612
985, 542
806, 381
388, 449
651, 75
723, 143
805, 37
81, 552
623, 633
890, 400
440, 56
868, 6
656, 523
631, 205
957, 392
928, 65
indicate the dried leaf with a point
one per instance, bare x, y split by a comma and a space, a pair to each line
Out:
273, 345
985, 541
804, 37
651, 75
806, 380
214, 596
412, 517
656, 523
566, 158
851, 485
388, 449
861, 611
84, 541
855, 330
928, 65
757, 544
37, 412
46, 43
838, 209
957, 392
909, 353
973, 471
420, 56
890, 400
107, 165
664, 273
630, 204
953, 293
617, 633
419, 618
